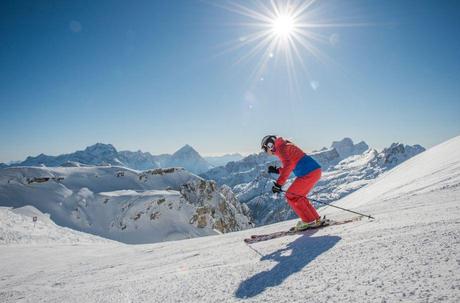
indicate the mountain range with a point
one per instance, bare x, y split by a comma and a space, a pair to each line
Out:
107, 154
346, 167
224, 159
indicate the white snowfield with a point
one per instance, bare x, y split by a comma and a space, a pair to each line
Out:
409, 253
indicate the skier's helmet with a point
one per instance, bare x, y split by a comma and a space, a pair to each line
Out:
268, 142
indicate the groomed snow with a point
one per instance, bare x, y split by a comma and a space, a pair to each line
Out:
409, 253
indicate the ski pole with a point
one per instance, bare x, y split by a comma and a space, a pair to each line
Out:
324, 203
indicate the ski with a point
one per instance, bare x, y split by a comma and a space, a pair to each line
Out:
265, 237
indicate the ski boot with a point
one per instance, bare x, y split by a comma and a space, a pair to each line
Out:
301, 225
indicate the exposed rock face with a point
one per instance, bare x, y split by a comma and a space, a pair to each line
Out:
326, 157
216, 207
398, 153
346, 147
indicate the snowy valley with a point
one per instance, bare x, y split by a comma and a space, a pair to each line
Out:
126, 205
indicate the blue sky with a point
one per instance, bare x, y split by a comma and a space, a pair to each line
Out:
155, 75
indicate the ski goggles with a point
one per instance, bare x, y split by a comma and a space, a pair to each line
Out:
267, 146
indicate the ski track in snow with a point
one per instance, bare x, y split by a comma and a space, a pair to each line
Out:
409, 253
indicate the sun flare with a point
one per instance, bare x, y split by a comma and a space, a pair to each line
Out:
284, 25
281, 31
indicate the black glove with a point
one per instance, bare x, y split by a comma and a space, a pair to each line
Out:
273, 170
276, 188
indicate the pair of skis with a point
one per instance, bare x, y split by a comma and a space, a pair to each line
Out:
265, 237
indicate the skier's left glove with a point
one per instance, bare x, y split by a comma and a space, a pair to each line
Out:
276, 188
273, 170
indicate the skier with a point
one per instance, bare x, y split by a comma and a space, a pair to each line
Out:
307, 171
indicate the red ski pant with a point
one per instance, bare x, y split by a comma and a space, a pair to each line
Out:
297, 196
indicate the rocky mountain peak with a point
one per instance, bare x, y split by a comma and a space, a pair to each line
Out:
186, 150
346, 147
398, 153
101, 148
190, 159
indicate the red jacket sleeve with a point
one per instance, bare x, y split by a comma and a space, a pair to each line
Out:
288, 165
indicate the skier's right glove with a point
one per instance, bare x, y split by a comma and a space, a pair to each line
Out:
276, 188
273, 170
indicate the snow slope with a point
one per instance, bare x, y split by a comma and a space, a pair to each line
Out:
17, 226
409, 253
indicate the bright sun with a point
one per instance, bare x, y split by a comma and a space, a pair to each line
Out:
279, 31
283, 26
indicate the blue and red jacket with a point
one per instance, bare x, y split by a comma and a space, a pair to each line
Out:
293, 159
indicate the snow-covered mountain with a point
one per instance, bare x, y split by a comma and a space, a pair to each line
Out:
126, 205
237, 172
106, 154
409, 253
224, 159
341, 176
356, 171
188, 158
139, 160
346, 147
97, 154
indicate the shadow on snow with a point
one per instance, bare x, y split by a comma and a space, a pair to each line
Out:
302, 251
